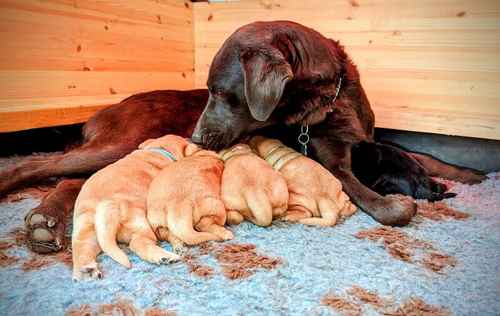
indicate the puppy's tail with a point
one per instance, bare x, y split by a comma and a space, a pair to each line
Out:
107, 222
260, 206
180, 223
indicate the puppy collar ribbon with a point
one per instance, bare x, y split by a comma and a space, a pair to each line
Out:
225, 155
278, 161
163, 152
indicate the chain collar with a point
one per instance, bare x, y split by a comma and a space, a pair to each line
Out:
304, 138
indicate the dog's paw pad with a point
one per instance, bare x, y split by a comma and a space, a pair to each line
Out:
33, 219
42, 234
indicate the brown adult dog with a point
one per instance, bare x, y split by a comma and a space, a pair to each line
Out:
108, 136
271, 73
185, 196
112, 205
316, 196
251, 189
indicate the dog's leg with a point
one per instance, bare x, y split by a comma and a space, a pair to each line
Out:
47, 223
260, 207
437, 168
157, 218
389, 210
177, 244
108, 216
296, 211
143, 243
299, 207
86, 159
180, 223
329, 214
208, 224
234, 218
385, 210
213, 218
85, 248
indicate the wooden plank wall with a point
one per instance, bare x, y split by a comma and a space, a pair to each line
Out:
61, 60
427, 65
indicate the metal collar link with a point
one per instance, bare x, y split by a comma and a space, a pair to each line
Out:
304, 138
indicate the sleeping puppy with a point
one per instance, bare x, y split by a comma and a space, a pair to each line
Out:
251, 189
186, 196
316, 196
112, 205
389, 170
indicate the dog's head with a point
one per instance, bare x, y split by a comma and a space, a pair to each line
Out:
246, 82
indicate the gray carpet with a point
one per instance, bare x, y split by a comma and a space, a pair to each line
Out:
316, 269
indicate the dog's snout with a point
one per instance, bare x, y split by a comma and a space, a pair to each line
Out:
196, 137
213, 140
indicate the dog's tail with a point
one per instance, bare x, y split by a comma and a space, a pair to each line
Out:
180, 223
106, 226
259, 205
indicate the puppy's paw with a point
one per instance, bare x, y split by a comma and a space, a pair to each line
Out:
396, 210
226, 235
180, 249
89, 271
172, 258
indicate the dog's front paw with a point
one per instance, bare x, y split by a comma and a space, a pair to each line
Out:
89, 271
161, 256
170, 259
46, 230
396, 210
225, 234
180, 249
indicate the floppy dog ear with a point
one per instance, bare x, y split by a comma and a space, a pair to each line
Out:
145, 143
265, 74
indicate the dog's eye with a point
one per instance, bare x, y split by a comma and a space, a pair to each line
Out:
216, 91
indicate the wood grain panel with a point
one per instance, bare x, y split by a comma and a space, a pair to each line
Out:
82, 53
429, 66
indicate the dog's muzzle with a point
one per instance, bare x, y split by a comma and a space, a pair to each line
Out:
215, 140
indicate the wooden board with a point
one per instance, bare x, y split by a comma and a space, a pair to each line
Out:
428, 66
61, 60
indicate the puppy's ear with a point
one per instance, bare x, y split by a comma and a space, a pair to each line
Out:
145, 143
190, 149
266, 74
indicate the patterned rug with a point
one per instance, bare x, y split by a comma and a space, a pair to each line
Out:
446, 262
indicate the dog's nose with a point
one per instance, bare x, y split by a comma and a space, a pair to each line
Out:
196, 138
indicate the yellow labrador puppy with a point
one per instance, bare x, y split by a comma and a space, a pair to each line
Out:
184, 201
251, 189
315, 195
112, 205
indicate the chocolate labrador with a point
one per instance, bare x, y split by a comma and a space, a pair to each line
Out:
283, 69
281, 72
